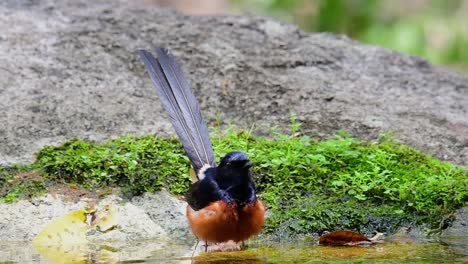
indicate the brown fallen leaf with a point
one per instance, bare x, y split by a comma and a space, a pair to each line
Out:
347, 238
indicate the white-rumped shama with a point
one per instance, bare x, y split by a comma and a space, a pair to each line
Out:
222, 203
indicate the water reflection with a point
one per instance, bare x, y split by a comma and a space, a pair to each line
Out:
248, 257
299, 252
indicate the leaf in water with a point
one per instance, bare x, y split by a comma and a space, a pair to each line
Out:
344, 238
67, 229
63, 240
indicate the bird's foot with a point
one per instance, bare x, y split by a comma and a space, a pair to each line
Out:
225, 246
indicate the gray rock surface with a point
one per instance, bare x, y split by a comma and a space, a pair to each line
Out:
168, 212
136, 221
69, 69
457, 235
142, 230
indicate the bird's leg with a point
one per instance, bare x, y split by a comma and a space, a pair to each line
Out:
206, 245
195, 249
242, 244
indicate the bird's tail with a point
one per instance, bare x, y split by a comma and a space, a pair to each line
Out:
180, 103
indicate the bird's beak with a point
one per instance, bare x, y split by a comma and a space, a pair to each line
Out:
247, 165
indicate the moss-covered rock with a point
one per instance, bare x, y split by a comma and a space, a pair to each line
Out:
137, 164
309, 187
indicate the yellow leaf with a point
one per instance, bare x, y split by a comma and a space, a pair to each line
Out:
63, 240
67, 229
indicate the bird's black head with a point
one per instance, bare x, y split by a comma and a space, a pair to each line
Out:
234, 169
233, 176
235, 160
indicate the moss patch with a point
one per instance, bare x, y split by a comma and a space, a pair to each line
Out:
308, 186
20, 182
345, 183
137, 164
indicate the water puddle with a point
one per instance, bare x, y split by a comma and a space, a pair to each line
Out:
447, 251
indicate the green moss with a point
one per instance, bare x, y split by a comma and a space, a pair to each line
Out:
20, 181
308, 186
344, 183
138, 164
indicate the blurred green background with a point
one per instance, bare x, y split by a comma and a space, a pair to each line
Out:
433, 29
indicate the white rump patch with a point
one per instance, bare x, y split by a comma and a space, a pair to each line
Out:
201, 172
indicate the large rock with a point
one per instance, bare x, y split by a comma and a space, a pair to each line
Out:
142, 228
69, 69
136, 219
456, 236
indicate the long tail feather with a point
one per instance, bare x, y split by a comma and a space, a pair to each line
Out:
180, 103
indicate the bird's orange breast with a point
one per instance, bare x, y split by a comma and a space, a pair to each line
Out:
220, 222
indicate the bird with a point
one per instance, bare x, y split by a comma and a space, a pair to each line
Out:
222, 203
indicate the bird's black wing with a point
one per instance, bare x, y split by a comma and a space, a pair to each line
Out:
206, 191
180, 103
201, 194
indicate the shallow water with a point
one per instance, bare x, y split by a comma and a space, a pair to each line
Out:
451, 250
